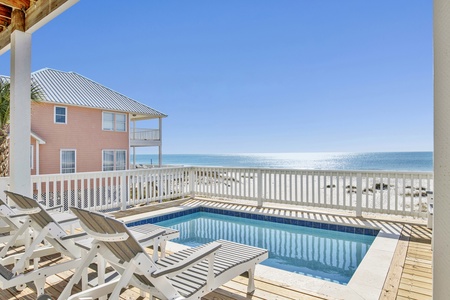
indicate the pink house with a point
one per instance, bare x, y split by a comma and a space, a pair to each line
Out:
83, 126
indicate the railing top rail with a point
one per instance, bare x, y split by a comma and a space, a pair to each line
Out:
144, 129
269, 170
108, 173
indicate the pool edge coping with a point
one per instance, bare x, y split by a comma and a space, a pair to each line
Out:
359, 286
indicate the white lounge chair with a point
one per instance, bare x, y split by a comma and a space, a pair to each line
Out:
47, 228
36, 218
187, 274
11, 219
9, 222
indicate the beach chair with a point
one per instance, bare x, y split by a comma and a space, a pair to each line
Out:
187, 274
29, 207
47, 228
35, 217
44, 227
11, 219
9, 222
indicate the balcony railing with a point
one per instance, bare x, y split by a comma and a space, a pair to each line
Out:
397, 193
144, 137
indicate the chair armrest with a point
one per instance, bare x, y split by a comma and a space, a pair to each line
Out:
150, 236
53, 208
68, 220
197, 256
74, 236
18, 216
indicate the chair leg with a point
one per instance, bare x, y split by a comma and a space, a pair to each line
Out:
21, 263
80, 272
155, 252
163, 249
123, 282
251, 280
142, 294
40, 285
101, 267
14, 238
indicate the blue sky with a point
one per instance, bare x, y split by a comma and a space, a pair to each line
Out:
259, 75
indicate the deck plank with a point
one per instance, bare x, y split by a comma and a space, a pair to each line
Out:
412, 270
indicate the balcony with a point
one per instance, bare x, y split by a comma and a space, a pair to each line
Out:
144, 137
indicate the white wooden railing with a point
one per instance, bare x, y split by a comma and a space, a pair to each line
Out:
144, 134
110, 190
398, 193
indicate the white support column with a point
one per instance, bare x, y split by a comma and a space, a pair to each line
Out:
441, 228
160, 143
20, 173
37, 158
134, 148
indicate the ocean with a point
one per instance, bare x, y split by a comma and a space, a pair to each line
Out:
390, 161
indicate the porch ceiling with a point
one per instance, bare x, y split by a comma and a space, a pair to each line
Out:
27, 15
142, 117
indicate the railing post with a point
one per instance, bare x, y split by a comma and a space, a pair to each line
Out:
359, 195
259, 195
191, 182
123, 191
160, 186
430, 209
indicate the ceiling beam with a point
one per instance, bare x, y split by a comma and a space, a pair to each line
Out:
5, 11
4, 22
18, 20
37, 15
18, 4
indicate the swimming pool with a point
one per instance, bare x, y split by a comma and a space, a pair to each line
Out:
331, 254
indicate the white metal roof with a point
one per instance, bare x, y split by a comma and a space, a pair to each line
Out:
71, 88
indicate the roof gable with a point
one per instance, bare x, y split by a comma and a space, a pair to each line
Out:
71, 88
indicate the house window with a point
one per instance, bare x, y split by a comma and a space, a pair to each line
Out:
60, 115
121, 162
108, 121
114, 160
114, 121
68, 161
108, 160
121, 120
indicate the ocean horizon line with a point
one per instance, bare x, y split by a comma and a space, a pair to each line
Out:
309, 152
389, 161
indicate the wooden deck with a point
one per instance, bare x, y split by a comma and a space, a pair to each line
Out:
409, 275
235, 289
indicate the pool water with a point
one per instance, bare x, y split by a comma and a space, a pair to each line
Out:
320, 253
